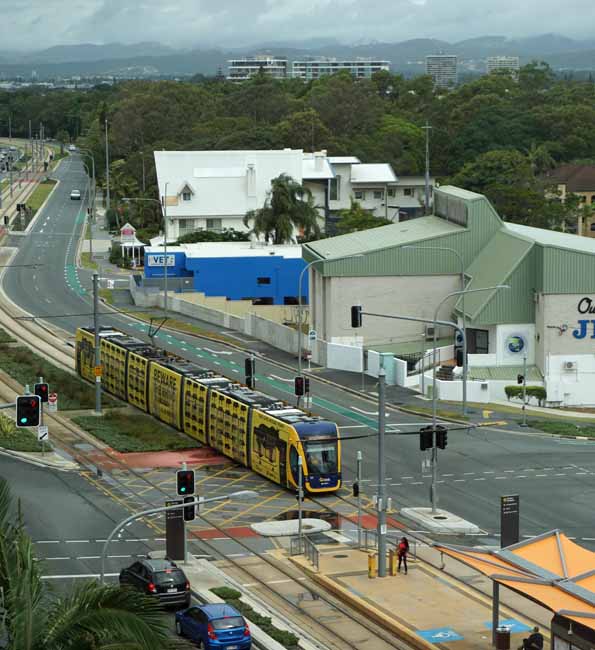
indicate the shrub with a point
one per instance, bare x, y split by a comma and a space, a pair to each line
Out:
227, 593
516, 392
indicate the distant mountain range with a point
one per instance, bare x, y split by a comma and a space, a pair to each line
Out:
154, 59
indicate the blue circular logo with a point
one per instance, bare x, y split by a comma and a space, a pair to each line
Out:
515, 343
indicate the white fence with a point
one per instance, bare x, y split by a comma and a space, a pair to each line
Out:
344, 357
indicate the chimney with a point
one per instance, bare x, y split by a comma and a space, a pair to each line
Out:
319, 157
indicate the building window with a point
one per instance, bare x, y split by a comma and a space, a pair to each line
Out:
186, 196
186, 224
408, 191
214, 224
592, 227
379, 194
335, 189
359, 195
391, 193
263, 280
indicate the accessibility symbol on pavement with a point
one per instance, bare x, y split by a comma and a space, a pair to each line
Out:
511, 624
440, 635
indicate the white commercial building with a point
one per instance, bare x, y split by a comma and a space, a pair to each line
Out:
361, 68
213, 190
443, 69
243, 68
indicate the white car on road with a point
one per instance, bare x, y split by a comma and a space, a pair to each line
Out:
75, 195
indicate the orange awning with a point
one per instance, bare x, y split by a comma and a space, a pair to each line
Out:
549, 569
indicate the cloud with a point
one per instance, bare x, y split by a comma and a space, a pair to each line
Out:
35, 24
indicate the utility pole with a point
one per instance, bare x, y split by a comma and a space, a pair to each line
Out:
97, 343
10, 128
524, 422
165, 248
359, 498
107, 194
427, 128
300, 499
381, 502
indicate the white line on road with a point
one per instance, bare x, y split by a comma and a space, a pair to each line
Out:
58, 558
354, 408
217, 351
79, 575
235, 370
289, 381
77, 541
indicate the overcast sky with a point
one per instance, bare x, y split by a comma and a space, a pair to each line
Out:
35, 24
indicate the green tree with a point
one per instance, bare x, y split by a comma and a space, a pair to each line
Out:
90, 617
540, 159
357, 218
63, 137
288, 206
304, 130
502, 167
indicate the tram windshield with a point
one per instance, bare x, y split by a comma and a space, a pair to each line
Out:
321, 457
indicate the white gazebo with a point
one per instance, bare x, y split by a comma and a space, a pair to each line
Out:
131, 246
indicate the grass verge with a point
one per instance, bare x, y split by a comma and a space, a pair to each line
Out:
442, 413
134, 432
563, 428
232, 597
87, 263
502, 408
25, 366
40, 194
107, 295
5, 337
17, 439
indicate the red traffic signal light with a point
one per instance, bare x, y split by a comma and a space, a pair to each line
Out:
42, 391
185, 482
190, 510
28, 410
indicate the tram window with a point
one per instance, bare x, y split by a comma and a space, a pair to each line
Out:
321, 457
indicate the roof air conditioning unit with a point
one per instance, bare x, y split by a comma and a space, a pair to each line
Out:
570, 365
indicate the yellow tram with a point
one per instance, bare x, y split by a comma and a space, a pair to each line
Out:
252, 428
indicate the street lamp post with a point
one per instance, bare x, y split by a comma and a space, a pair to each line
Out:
107, 192
198, 501
462, 263
163, 204
306, 268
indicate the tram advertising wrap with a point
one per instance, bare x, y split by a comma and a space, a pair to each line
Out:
253, 429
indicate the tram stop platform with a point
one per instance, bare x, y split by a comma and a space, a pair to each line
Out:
430, 606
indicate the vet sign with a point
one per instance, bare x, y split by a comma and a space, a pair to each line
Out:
159, 260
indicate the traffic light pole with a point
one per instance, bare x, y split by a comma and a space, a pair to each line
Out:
97, 343
300, 499
41, 420
359, 499
524, 422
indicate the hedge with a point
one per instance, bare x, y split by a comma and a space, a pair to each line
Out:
516, 392
232, 597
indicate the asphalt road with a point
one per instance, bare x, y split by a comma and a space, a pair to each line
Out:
554, 478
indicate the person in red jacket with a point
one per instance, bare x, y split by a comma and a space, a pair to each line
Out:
402, 551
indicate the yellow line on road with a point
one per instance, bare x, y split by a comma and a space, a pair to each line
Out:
226, 522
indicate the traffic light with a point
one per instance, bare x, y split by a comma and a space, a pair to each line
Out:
185, 482
42, 391
441, 436
356, 316
459, 357
249, 369
426, 438
299, 386
520, 379
356, 489
190, 511
28, 410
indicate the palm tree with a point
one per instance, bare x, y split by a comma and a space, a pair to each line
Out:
540, 159
91, 617
288, 206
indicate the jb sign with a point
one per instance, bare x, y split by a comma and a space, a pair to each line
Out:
585, 327
159, 260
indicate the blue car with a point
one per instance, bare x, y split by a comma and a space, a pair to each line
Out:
214, 627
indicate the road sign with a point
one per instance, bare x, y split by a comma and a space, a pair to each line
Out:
174, 532
509, 520
312, 335
42, 433
52, 402
98, 371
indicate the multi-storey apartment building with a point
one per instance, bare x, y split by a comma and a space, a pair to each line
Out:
361, 68
443, 69
243, 68
508, 63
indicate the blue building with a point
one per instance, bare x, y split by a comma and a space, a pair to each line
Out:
266, 275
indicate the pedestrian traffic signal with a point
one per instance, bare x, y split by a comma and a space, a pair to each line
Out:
441, 436
356, 316
459, 357
190, 511
42, 391
28, 410
426, 438
249, 368
185, 482
520, 379
356, 489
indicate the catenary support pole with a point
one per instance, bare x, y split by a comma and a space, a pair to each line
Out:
300, 500
495, 609
381, 503
359, 499
524, 422
97, 343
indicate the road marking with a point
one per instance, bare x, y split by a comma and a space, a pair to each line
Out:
459, 480
404, 477
77, 541
58, 558
447, 474
475, 479
415, 482
235, 370
289, 381
540, 475
217, 351
500, 478
369, 412
48, 541
559, 474
490, 472
468, 473
79, 575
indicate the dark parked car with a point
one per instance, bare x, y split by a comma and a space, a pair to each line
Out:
160, 578
214, 627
